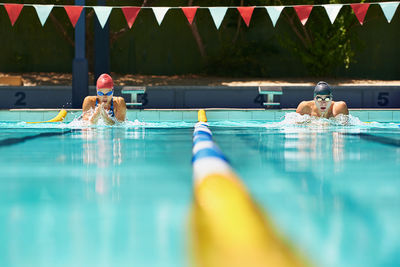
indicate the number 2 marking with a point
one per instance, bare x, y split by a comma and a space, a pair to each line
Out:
21, 97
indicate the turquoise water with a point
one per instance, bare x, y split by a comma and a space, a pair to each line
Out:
121, 196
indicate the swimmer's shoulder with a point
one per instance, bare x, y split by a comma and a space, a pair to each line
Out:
305, 107
89, 102
340, 107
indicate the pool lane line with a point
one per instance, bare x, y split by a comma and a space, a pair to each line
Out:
378, 139
60, 117
228, 227
18, 140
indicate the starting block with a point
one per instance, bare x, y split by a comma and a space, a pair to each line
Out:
133, 91
270, 92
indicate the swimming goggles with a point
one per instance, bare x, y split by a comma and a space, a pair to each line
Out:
326, 99
107, 94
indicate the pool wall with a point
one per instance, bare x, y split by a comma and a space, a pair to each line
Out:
380, 115
183, 97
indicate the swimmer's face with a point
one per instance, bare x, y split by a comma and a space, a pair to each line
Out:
323, 102
105, 94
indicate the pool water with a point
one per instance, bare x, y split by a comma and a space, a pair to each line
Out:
121, 196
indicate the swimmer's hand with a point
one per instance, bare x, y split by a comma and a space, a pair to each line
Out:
104, 114
96, 114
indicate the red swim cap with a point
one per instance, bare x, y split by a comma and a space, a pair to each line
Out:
105, 81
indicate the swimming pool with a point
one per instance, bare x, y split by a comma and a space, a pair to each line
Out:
122, 195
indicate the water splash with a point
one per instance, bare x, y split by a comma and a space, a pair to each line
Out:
294, 119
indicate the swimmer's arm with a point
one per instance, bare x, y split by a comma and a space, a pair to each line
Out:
303, 108
120, 109
86, 107
340, 108
105, 115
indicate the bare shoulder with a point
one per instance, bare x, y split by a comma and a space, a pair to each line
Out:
119, 103
304, 107
340, 107
89, 102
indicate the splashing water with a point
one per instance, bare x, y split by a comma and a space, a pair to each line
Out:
294, 119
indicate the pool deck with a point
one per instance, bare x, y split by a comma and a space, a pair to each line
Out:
213, 114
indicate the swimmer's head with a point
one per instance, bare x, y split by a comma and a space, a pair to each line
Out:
105, 82
323, 96
105, 88
322, 88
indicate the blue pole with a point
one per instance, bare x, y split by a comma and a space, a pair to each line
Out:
80, 77
101, 46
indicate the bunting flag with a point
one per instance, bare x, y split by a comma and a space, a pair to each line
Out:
274, 12
190, 12
389, 9
102, 13
360, 10
43, 12
246, 12
332, 11
218, 14
303, 12
13, 11
73, 12
130, 14
160, 12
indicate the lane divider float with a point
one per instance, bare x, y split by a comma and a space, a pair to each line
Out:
227, 227
60, 117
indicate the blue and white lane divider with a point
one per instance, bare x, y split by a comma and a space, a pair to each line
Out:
228, 228
207, 157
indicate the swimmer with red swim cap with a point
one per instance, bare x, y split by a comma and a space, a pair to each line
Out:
323, 105
106, 106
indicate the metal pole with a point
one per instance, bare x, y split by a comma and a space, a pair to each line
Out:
80, 77
101, 47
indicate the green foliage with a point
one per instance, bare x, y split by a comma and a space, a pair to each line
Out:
245, 58
321, 46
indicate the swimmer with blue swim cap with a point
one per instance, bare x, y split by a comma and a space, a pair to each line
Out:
323, 105
104, 105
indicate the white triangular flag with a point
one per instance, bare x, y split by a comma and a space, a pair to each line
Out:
389, 9
43, 12
218, 14
274, 13
332, 11
102, 13
160, 12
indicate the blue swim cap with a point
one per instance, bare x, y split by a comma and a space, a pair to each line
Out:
322, 88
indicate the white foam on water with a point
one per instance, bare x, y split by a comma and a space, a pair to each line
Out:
294, 119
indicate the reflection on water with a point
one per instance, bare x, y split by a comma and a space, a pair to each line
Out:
329, 192
96, 197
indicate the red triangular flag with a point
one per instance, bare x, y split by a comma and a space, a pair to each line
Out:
360, 10
73, 12
130, 14
246, 12
190, 12
303, 12
13, 11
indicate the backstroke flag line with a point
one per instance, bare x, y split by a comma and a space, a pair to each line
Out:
332, 11
102, 13
360, 10
303, 12
389, 9
73, 12
43, 12
13, 11
246, 12
274, 12
218, 14
160, 12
